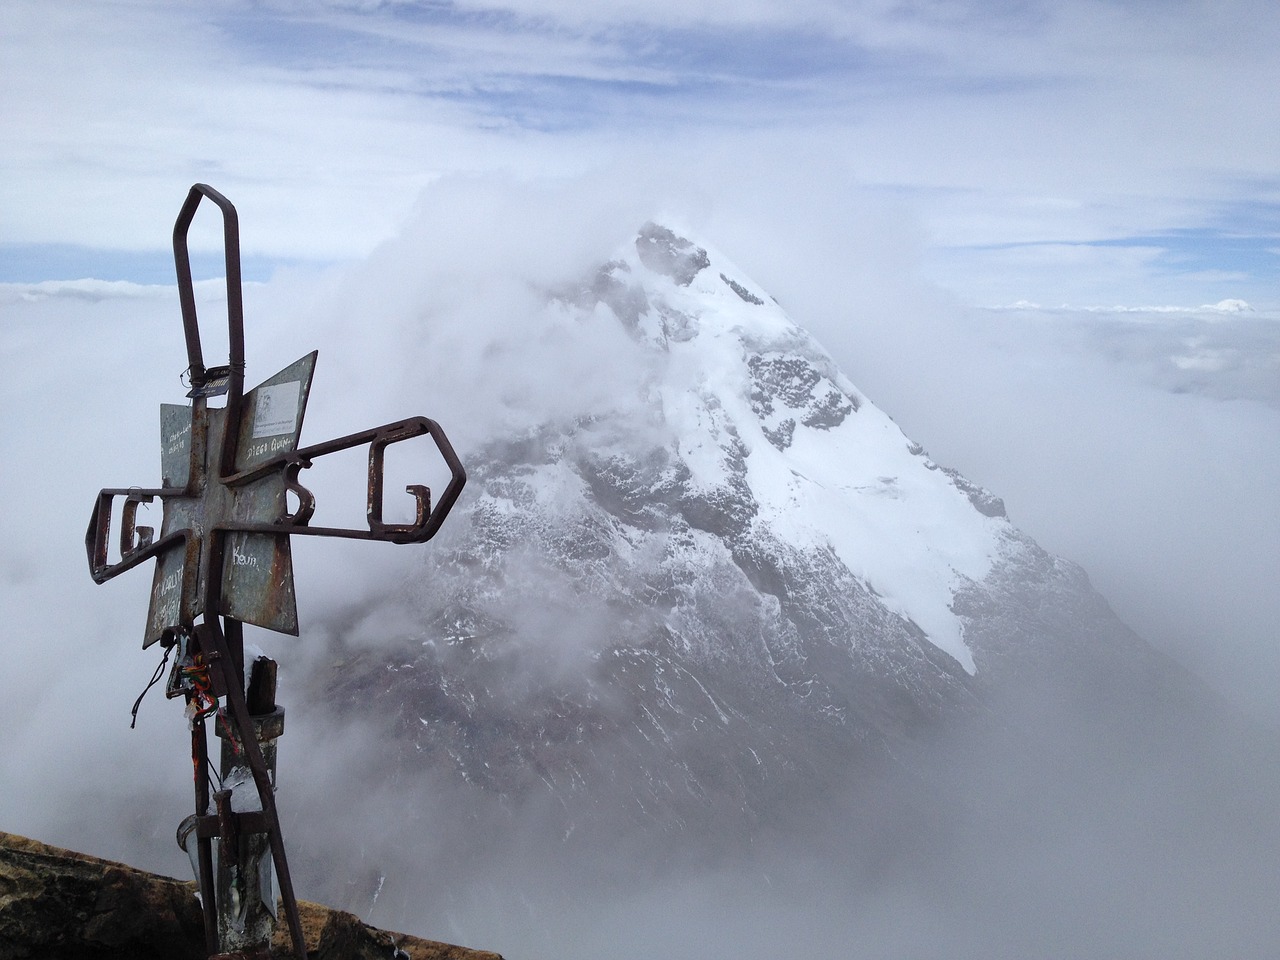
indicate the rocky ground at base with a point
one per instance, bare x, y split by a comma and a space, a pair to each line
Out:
56, 904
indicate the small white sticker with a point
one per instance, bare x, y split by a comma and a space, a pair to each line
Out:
277, 409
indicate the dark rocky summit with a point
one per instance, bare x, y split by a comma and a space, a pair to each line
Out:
666, 253
60, 905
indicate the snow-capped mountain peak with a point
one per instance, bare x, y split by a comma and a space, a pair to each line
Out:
722, 588
756, 408
703, 595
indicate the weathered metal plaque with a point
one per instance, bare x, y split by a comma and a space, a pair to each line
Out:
257, 568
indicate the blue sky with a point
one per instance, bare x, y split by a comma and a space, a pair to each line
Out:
1112, 126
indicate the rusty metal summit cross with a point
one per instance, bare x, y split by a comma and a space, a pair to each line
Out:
223, 559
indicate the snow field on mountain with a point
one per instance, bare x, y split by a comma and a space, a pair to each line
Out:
901, 528
894, 519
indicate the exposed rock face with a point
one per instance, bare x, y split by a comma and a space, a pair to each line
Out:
60, 905
663, 252
55, 903
785, 389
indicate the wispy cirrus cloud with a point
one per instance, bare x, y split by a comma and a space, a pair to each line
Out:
994, 124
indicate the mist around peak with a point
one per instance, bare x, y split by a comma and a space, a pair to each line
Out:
1029, 809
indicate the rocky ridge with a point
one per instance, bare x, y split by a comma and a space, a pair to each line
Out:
59, 905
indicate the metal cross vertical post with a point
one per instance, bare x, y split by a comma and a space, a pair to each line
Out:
223, 559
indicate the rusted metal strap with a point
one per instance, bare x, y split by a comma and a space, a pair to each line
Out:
212, 638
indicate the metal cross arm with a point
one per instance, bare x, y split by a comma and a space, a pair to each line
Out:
249, 509
136, 543
427, 520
